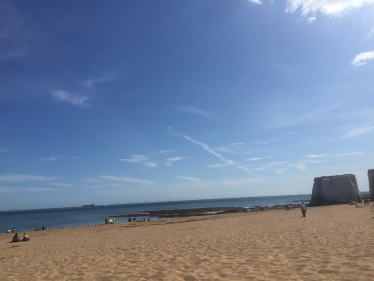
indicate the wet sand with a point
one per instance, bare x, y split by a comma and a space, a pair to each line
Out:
331, 243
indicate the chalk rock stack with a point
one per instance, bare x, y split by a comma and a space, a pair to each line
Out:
331, 190
371, 183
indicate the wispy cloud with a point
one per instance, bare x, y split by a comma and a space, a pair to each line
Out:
257, 158
258, 2
190, 179
280, 171
163, 151
54, 158
76, 100
349, 154
358, 132
208, 149
140, 159
315, 155
362, 58
236, 143
216, 166
330, 8
253, 159
24, 178
136, 158
280, 121
371, 32
90, 83
173, 159
192, 110
270, 165
49, 158
61, 184
300, 166
11, 189
311, 19
266, 141
126, 179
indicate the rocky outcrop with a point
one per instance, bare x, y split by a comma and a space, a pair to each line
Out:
371, 184
331, 190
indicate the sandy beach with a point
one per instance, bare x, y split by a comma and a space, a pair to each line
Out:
331, 243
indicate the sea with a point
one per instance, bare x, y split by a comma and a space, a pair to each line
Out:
29, 220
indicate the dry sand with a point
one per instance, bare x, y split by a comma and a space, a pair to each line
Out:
331, 243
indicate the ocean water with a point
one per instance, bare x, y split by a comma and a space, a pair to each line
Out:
29, 220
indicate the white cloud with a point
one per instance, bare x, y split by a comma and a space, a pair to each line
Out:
136, 158
294, 120
257, 158
192, 110
271, 165
173, 159
141, 159
362, 58
215, 165
311, 19
258, 2
24, 178
54, 158
300, 166
166, 151
90, 83
349, 154
190, 179
76, 100
237, 143
61, 184
371, 32
315, 155
49, 158
330, 7
280, 171
10, 189
126, 179
208, 149
358, 132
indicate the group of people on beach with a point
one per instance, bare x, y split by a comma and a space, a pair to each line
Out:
141, 220
13, 230
43, 228
16, 238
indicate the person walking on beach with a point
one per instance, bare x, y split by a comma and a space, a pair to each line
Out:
366, 200
303, 208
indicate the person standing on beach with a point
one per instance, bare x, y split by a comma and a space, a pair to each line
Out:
303, 208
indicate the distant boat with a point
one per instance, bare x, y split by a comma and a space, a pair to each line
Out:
92, 205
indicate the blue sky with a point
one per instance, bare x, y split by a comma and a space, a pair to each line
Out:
135, 101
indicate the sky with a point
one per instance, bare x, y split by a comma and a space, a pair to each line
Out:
110, 102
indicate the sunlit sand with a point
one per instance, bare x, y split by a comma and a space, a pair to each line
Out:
331, 243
